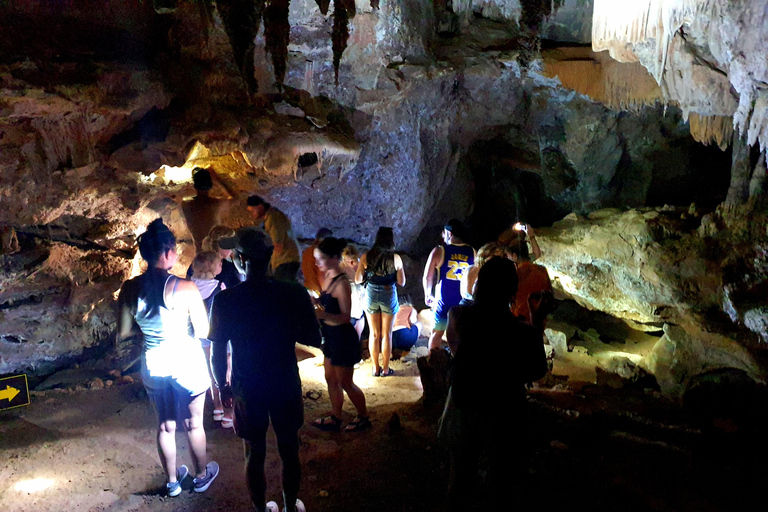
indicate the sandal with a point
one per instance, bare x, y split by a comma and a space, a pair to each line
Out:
328, 424
227, 422
376, 373
387, 372
218, 414
357, 424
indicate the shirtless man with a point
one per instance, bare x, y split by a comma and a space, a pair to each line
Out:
448, 262
202, 212
285, 261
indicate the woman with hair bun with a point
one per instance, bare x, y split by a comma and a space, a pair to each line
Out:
341, 344
158, 306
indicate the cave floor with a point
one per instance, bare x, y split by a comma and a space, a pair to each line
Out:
593, 448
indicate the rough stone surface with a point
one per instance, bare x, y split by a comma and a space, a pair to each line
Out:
436, 113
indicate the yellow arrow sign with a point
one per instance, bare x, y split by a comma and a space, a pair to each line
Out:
8, 393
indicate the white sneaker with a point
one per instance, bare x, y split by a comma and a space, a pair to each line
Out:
299, 507
272, 507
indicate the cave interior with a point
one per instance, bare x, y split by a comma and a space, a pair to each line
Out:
631, 137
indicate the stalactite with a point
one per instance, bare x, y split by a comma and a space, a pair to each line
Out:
618, 24
619, 85
323, 5
342, 11
241, 22
711, 129
534, 12
277, 31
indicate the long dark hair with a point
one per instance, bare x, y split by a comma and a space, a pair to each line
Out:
156, 241
381, 257
332, 247
496, 283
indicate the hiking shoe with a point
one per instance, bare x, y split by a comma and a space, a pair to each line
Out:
174, 488
299, 507
272, 507
211, 472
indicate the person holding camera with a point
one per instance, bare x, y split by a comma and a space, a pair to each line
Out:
381, 270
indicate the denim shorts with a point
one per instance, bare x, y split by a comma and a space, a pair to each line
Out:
381, 299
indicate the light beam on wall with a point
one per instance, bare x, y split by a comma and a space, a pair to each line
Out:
33, 485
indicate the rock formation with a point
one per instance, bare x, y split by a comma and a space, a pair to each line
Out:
391, 113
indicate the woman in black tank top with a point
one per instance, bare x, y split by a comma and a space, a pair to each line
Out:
341, 346
381, 270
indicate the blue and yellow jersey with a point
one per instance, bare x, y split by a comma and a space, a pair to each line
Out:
456, 262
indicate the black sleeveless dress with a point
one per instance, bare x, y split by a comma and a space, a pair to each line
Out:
340, 342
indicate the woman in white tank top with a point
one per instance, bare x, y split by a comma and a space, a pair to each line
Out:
157, 305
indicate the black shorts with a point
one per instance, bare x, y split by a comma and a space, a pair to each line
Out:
341, 345
253, 412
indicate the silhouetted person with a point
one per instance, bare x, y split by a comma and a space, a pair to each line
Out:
202, 211
263, 319
495, 354
285, 258
449, 262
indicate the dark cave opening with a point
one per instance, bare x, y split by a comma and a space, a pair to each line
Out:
706, 182
507, 190
308, 159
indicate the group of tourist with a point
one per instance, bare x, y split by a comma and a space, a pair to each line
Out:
233, 326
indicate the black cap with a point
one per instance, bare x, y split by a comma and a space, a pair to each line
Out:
251, 242
255, 201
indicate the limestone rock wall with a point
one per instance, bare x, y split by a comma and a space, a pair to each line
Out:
403, 140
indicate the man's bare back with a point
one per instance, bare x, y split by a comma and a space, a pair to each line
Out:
202, 213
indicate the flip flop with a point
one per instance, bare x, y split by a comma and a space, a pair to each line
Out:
387, 372
357, 424
328, 423
227, 422
218, 415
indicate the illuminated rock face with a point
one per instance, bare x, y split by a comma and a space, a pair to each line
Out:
673, 268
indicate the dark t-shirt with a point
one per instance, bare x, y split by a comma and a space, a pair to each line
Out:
264, 320
497, 354
229, 274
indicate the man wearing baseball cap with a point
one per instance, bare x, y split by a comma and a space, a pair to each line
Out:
263, 318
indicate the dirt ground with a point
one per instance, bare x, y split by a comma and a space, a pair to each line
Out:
592, 448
